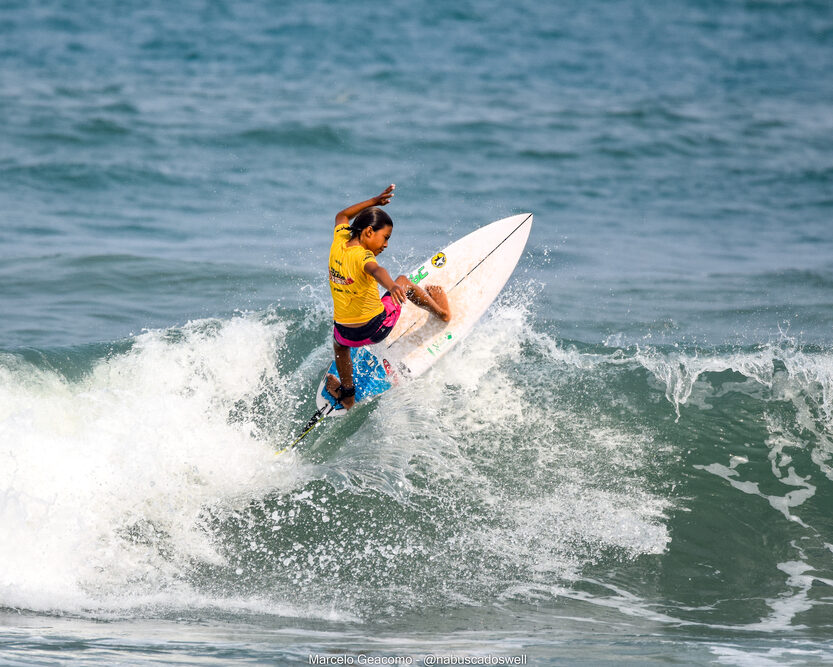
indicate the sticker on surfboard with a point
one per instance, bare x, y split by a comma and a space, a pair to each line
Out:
419, 275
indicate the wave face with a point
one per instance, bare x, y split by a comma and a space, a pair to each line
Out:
682, 488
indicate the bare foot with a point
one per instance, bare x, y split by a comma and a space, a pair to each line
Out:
441, 299
332, 385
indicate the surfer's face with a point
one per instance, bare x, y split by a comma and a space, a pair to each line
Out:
376, 240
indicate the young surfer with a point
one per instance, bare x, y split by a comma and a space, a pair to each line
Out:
360, 316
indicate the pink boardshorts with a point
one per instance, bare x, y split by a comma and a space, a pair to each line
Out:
374, 331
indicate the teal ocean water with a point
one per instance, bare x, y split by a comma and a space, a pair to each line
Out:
629, 460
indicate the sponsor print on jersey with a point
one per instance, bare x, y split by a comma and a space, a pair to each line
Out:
338, 279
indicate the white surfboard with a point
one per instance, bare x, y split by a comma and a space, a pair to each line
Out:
473, 271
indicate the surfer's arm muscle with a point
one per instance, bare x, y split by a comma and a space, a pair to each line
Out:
381, 276
344, 217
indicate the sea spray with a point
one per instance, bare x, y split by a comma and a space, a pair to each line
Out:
104, 479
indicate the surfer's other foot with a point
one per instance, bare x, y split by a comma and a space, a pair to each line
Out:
439, 296
333, 386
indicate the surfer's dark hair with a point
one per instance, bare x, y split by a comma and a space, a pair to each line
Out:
372, 217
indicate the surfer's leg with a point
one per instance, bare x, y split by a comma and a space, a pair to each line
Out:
433, 298
344, 365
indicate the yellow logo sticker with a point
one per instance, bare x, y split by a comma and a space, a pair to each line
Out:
439, 260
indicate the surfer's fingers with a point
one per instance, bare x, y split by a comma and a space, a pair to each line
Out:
387, 193
398, 294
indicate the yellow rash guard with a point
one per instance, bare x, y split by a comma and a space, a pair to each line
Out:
355, 293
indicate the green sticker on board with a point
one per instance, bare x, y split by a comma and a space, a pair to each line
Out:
420, 275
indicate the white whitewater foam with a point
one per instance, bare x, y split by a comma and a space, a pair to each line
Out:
102, 481
581, 492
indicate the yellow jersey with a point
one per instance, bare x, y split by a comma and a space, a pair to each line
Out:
355, 293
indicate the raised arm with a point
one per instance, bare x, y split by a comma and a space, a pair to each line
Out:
344, 217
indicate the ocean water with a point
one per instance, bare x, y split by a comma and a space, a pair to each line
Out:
630, 459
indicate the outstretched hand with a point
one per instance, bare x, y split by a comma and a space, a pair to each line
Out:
398, 293
385, 197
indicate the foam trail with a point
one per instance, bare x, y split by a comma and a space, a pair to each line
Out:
103, 481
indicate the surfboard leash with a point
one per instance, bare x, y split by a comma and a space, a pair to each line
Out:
311, 424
